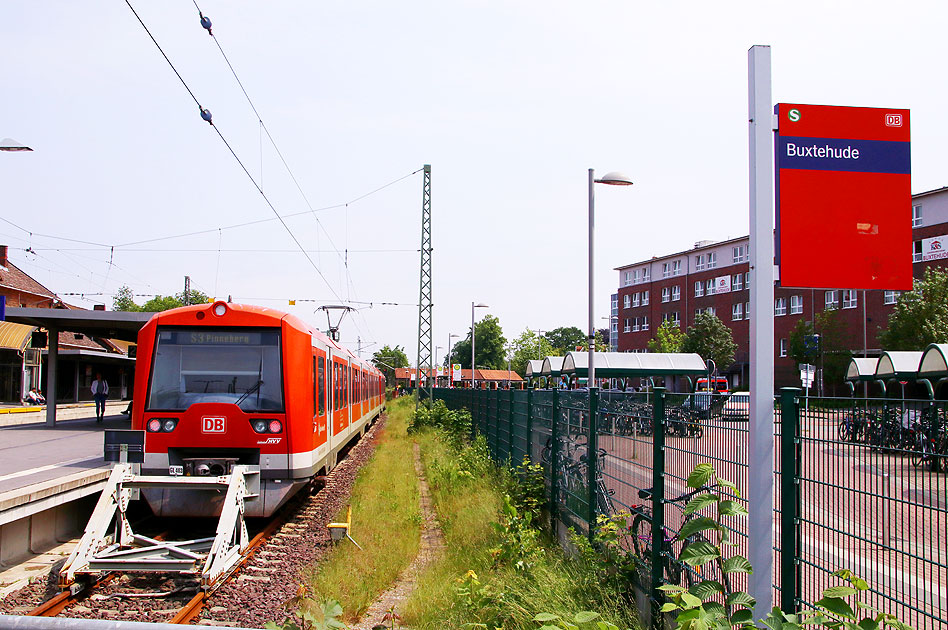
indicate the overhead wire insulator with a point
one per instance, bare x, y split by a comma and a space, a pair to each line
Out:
206, 115
206, 23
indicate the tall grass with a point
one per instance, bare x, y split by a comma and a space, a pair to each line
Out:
386, 522
468, 495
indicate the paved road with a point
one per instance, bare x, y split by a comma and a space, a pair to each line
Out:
32, 453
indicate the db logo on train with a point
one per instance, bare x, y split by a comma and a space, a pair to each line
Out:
212, 424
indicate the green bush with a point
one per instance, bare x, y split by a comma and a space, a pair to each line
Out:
454, 425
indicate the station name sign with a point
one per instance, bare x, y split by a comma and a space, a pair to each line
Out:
844, 199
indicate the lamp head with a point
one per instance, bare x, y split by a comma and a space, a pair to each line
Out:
615, 178
481, 305
9, 144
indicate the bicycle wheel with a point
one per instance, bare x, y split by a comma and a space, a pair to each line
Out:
641, 532
845, 432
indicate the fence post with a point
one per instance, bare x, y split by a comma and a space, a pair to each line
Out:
658, 489
554, 456
510, 421
529, 447
592, 457
789, 498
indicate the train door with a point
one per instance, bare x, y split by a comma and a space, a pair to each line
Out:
320, 394
338, 395
361, 383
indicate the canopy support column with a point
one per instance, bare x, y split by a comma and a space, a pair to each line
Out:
51, 361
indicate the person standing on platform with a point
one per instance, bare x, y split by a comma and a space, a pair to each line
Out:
100, 391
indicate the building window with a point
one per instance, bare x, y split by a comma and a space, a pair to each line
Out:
747, 310
666, 270
737, 282
796, 304
712, 260
917, 251
676, 293
850, 298
699, 262
627, 278
635, 300
645, 322
780, 306
699, 288
831, 300
615, 326
709, 287
737, 312
783, 347
891, 297
711, 311
666, 294
676, 318
747, 280
697, 312
916, 216
739, 253
627, 300
644, 298
626, 327
645, 274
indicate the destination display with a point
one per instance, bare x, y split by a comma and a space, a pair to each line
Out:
844, 200
211, 337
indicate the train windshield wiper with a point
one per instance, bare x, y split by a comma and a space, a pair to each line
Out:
252, 389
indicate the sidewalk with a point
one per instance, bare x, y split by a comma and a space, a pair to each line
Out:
36, 414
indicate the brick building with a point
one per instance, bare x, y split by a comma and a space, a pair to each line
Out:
22, 360
714, 276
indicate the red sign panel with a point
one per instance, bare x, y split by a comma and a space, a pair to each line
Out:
844, 197
212, 424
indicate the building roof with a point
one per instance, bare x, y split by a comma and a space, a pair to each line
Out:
480, 375
12, 277
702, 246
104, 324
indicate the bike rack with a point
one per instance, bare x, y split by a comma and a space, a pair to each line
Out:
109, 544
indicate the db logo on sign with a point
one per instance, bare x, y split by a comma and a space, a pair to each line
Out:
893, 120
212, 424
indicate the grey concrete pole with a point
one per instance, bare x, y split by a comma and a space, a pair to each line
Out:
52, 358
591, 375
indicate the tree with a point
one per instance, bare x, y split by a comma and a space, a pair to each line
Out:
835, 344
711, 339
798, 349
566, 339
529, 345
489, 346
668, 338
920, 316
388, 358
124, 300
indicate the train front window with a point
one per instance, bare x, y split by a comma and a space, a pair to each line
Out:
229, 365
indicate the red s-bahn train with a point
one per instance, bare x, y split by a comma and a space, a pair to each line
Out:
223, 384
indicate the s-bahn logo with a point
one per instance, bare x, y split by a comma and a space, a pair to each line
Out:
212, 424
274, 440
794, 115
893, 120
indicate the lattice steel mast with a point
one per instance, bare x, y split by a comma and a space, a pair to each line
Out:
425, 305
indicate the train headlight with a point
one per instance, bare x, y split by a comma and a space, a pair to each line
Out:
220, 308
260, 426
275, 426
154, 425
169, 424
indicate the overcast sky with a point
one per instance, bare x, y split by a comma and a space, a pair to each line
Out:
510, 102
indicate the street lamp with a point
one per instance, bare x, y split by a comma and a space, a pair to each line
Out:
450, 372
436, 364
613, 179
473, 306
9, 144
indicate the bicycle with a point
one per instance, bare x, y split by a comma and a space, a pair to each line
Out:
673, 570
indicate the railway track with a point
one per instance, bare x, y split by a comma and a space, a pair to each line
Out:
290, 542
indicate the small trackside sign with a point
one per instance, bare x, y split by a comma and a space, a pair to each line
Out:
212, 424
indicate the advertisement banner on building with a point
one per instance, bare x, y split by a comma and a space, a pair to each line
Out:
934, 248
722, 284
456, 372
844, 199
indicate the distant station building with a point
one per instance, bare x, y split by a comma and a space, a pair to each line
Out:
23, 348
485, 379
713, 277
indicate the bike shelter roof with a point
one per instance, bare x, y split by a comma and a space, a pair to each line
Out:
898, 364
628, 364
934, 361
534, 368
551, 366
861, 370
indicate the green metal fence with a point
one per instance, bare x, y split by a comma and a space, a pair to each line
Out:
859, 484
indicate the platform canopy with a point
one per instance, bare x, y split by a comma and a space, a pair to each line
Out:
15, 336
105, 324
629, 364
861, 370
934, 361
552, 366
898, 364
534, 367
